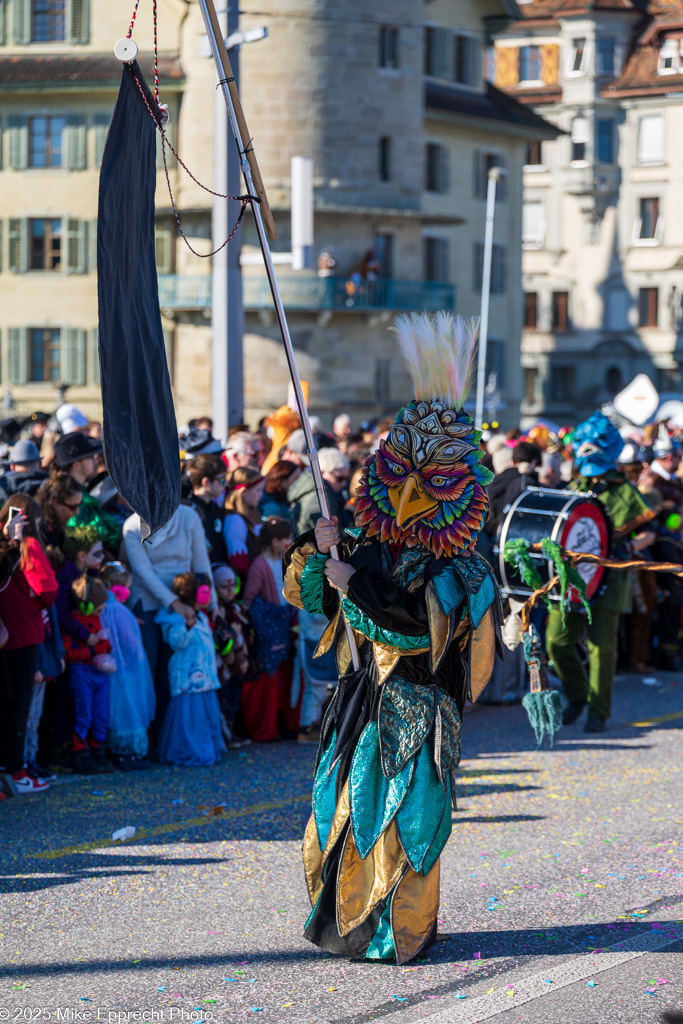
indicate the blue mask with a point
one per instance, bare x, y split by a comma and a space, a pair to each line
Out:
597, 445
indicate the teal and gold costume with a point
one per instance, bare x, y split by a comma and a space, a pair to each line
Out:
425, 613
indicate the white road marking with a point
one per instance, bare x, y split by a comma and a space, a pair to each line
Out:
525, 990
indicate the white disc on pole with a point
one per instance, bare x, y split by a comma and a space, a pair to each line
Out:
126, 51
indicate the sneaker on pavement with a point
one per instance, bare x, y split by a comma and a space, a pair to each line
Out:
26, 783
40, 773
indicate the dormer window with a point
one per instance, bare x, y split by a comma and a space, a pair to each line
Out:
530, 64
669, 57
578, 56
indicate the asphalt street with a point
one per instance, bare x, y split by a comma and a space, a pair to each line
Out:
562, 887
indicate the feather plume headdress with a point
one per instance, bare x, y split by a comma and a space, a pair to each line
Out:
439, 353
425, 486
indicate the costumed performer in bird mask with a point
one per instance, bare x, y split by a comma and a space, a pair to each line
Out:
425, 612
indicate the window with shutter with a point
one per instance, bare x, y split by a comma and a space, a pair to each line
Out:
18, 245
18, 143
75, 246
436, 52
498, 274
21, 22
78, 17
76, 139
16, 355
3, 22
73, 356
163, 242
44, 352
95, 356
533, 225
101, 127
435, 258
485, 161
92, 247
651, 139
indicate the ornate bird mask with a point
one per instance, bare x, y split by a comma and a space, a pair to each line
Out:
425, 486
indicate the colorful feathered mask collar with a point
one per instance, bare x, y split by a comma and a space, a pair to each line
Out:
425, 486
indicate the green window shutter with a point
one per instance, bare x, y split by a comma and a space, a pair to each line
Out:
21, 21
3, 22
95, 355
163, 240
75, 246
76, 139
74, 342
18, 245
92, 247
101, 124
78, 20
17, 356
18, 143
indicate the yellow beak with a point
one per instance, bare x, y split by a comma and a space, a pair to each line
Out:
410, 501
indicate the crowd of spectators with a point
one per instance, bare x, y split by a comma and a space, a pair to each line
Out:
116, 653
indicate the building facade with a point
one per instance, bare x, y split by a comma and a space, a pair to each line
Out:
602, 226
391, 103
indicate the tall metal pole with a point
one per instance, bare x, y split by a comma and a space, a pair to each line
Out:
227, 317
223, 66
494, 177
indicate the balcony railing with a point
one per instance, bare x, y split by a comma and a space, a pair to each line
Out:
313, 293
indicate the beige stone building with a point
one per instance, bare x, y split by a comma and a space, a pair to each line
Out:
603, 227
391, 103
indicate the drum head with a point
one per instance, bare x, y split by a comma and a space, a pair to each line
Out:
586, 530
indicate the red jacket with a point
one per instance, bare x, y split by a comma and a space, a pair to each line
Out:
32, 587
80, 653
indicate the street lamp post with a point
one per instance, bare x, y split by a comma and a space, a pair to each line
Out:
495, 175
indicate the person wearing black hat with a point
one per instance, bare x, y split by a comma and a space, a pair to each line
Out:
76, 453
37, 424
75, 456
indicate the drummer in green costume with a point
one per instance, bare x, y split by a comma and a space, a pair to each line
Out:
598, 445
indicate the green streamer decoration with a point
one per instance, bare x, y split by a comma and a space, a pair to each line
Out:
569, 576
517, 554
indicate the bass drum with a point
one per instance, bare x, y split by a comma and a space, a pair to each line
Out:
577, 522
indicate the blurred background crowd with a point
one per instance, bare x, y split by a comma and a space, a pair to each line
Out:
116, 654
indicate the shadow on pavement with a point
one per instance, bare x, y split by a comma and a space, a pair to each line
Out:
500, 947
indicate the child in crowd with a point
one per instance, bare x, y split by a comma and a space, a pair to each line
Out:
191, 731
91, 665
84, 554
271, 617
235, 661
131, 688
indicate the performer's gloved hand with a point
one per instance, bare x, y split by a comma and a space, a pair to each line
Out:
326, 534
338, 574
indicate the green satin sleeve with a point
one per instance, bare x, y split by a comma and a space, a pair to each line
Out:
363, 624
312, 584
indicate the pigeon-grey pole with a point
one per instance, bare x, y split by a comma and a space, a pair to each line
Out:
264, 227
